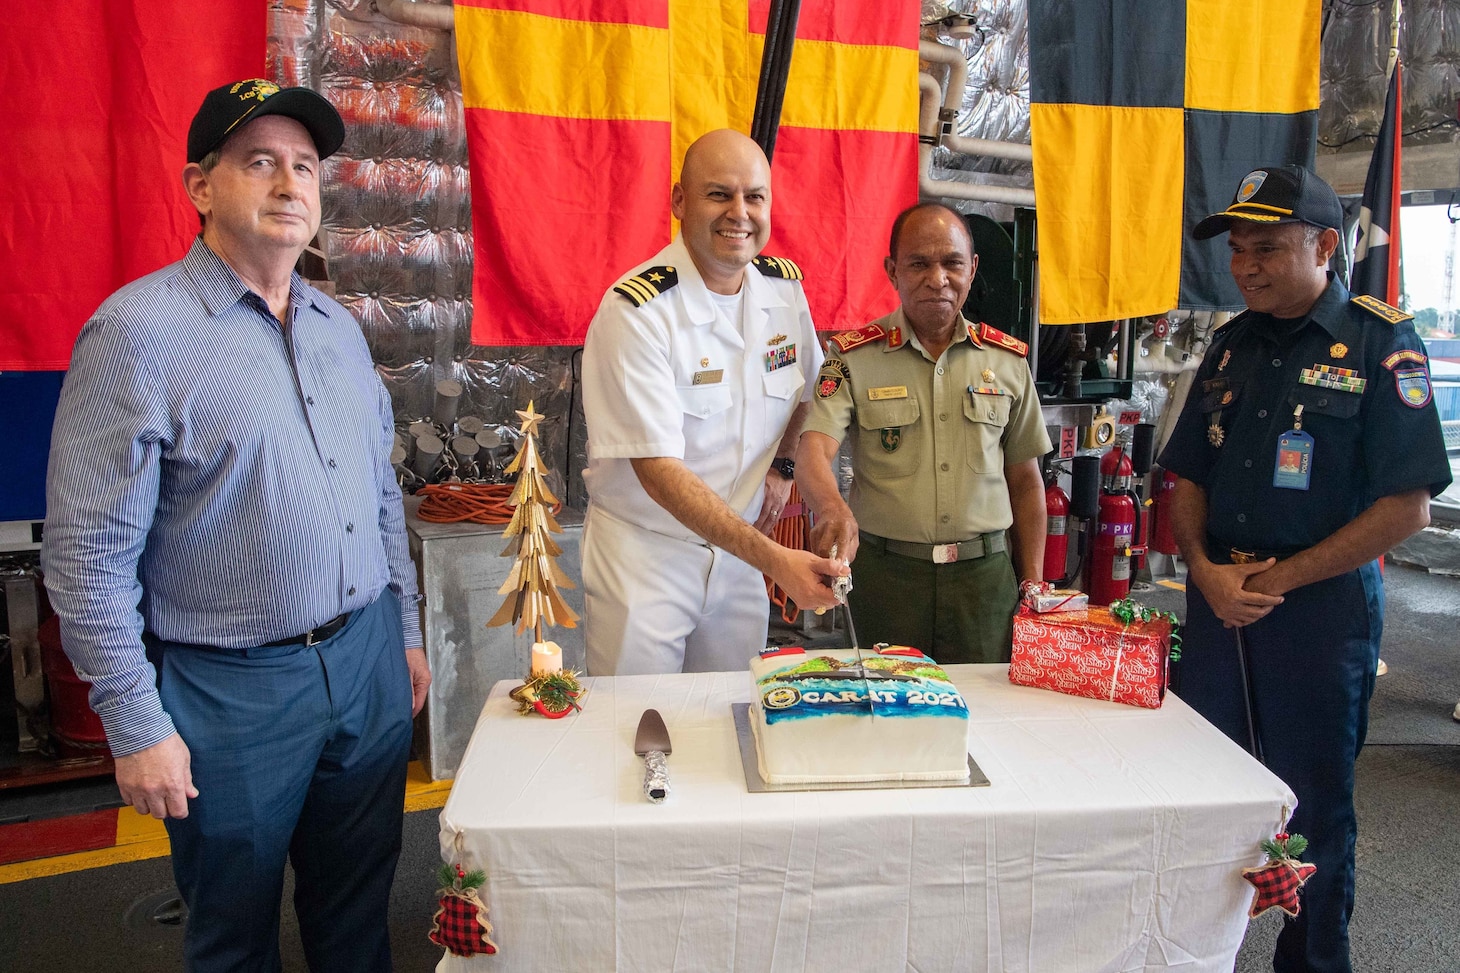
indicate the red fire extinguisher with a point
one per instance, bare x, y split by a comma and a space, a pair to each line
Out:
1057, 528
1110, 558
1163, 539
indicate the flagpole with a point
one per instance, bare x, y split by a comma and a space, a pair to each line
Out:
1395, 12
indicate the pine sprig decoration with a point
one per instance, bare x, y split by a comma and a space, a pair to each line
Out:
455, 877
550, 694
1127, 610
1283, 846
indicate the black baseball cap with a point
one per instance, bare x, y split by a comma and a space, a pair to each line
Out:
1280, 194
227, 108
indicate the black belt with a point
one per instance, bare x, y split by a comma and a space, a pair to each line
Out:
977, 547
315, 635
1218, 551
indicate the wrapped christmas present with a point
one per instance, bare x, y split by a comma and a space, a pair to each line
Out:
1119, 653
1058, 600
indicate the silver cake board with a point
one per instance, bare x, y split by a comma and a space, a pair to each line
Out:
755, 785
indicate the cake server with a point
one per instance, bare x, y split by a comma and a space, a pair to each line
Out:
652, 743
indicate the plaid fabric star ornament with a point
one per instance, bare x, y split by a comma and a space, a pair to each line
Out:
460, 924
1278, 879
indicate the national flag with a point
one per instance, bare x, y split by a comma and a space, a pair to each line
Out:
1376, 250
578, 113
101, 94
1143, 119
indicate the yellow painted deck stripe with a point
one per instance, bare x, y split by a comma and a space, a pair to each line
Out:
851, 87
140, 836
521, 62
1173, 585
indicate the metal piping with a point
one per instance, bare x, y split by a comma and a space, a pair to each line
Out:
949, 189
413, 13
1019, 151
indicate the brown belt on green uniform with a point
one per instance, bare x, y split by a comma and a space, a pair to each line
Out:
969, 550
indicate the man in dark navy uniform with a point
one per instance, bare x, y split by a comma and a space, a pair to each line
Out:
1308, 447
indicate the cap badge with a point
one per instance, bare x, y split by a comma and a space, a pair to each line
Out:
257, 88
1251, 183
1337, 350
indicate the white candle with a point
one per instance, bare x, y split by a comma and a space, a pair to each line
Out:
546, 657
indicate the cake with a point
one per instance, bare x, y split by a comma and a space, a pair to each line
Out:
849, 715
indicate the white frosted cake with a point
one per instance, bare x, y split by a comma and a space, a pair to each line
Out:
841, 715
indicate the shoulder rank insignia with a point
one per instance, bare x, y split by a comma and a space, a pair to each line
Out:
778, 267
646, 285
848, 340
1375, 306
1006, 341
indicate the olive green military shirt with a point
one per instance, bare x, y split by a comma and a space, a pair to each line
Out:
930, 439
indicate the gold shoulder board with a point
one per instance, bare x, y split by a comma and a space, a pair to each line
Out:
778, 267
646, 285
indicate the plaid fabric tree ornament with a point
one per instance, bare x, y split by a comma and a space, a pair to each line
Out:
1278, 879
460, 924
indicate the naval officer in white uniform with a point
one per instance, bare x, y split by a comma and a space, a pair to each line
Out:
697, 371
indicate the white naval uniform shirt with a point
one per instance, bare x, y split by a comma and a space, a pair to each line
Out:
641, 397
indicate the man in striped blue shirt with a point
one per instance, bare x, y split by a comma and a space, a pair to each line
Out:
226, 548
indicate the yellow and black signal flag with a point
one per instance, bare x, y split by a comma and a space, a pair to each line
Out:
578, 113
1144, 118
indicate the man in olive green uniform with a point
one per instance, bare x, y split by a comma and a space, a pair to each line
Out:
946, 440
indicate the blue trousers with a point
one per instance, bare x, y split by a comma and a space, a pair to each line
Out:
1312, 670
299, 753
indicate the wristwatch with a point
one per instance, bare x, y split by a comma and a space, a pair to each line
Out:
785, 466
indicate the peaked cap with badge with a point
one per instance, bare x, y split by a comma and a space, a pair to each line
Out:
1280, 194
228, 108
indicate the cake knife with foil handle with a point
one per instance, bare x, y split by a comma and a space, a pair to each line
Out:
652, 743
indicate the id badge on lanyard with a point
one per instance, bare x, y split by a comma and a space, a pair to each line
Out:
1294, 467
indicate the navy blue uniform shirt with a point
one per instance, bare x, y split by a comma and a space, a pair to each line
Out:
1381, 441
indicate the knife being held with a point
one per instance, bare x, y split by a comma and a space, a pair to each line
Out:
652, 743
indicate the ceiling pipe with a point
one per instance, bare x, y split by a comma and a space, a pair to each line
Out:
957, 80
929, 114
437, 16
1018, 151
949, 189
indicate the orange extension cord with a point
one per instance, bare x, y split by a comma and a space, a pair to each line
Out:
477, 503
793, 530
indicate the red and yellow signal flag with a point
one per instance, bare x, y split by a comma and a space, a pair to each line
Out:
578, 113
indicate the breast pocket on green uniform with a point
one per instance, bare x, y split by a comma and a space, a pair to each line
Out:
986, 415
891, 443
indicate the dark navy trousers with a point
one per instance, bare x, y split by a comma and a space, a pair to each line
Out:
1312, 670
298, 753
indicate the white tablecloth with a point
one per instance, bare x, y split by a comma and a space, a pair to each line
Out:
1111, 838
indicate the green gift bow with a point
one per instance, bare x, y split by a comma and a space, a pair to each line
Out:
1128, 611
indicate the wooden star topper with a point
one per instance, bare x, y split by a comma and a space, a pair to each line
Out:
530, 419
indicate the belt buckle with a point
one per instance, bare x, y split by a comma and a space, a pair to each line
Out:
309, 639
945, 553
1242, 557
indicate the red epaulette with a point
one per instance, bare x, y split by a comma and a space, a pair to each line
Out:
1006, 341
848, 340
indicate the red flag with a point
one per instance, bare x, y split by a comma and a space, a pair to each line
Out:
101, 97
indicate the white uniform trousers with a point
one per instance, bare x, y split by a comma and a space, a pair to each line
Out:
654, 603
